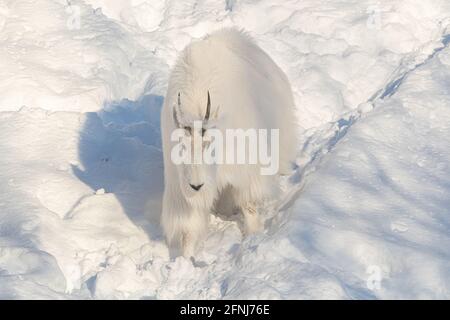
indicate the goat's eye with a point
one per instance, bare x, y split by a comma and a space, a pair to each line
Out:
188, 129
203, 131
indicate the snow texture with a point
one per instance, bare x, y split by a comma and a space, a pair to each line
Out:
366, 215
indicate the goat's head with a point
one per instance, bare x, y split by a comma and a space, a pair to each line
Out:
196, 178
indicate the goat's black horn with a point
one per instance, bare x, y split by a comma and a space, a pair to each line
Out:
175, 114
208, 107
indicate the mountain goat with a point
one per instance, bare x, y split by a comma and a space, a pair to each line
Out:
222, 82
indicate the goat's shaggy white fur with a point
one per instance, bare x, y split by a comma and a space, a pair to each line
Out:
248, 90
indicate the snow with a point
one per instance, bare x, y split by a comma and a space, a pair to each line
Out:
365, 215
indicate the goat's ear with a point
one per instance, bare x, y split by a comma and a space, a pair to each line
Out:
215, 114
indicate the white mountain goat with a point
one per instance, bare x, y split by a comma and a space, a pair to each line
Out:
222, 82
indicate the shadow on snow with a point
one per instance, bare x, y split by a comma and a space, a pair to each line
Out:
120, 151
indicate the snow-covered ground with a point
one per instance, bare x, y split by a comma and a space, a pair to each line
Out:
365, 215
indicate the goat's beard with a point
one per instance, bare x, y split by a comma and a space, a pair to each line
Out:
201, 199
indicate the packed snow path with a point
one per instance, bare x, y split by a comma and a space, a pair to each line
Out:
365, 215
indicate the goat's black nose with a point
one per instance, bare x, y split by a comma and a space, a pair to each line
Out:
196, 187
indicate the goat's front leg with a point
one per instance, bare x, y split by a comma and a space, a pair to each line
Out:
188, 244
194, 231
252, 220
